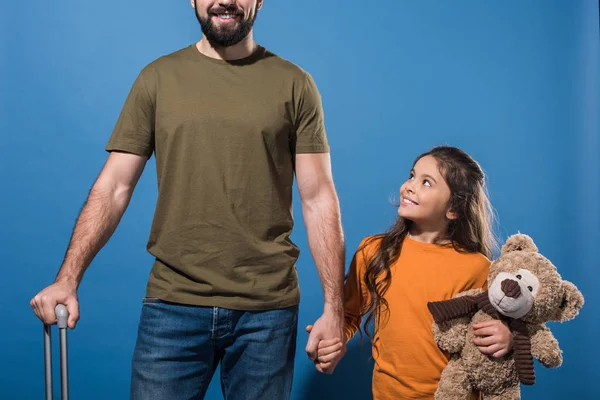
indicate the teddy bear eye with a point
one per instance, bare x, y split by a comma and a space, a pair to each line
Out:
530, 288
519, 276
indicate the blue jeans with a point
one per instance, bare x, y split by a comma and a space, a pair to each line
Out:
179, 347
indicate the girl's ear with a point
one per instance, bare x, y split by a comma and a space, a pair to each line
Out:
451, 214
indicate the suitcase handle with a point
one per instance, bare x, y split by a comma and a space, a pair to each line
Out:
62, 316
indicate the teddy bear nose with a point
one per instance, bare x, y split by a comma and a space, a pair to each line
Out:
510, 288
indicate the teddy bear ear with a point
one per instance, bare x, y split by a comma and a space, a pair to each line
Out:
571, 303
519, 242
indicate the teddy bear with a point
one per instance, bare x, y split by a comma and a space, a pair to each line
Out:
525, 290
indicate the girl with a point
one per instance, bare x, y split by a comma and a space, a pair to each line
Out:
440, 245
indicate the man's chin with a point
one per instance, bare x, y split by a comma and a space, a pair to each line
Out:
225, 31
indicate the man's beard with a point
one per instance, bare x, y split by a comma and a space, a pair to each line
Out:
225, 36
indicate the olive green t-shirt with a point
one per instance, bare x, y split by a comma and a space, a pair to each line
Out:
225, 135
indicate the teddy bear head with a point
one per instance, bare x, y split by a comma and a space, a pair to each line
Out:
524, 284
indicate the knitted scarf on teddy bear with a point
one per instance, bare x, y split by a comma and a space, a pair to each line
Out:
446, 310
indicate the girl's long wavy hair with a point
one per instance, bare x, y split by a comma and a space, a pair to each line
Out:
470, 232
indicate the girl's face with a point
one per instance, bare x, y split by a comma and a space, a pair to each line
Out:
424, 196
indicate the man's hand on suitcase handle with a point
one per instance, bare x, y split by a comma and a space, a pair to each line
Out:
44, 303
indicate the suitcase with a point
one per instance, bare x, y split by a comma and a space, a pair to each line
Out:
62, 316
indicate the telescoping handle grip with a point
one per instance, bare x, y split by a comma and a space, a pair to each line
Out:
62, 316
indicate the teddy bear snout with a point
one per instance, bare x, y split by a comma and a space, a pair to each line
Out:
511, 288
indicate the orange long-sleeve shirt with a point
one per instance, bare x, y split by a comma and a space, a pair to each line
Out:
408, 362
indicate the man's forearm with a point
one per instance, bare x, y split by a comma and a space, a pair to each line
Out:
326, 241
96, 223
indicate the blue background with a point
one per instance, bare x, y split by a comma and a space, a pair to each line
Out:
514, 83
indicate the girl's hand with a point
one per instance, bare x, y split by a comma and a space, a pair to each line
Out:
493, 338
329, 353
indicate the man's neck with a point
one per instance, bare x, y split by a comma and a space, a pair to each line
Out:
240, 50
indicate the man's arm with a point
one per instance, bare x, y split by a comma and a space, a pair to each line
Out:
321, 211
107, 201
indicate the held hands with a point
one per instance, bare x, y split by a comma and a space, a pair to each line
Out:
493, 338
325, 345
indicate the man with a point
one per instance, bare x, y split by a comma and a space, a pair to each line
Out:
229, 123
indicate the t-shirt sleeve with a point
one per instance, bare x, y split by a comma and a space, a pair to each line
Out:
310, 135
356, 294
134, 130
353, 298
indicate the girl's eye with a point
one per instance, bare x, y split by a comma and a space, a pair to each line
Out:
426, 183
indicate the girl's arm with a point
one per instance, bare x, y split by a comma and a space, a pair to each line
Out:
329, 351
354, 297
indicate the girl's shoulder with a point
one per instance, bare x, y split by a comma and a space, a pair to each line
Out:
370, 243
475, 261
368, 247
